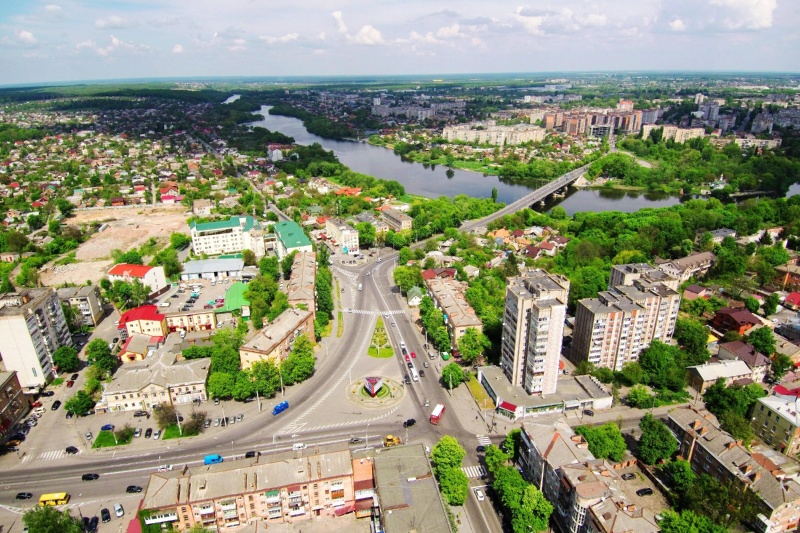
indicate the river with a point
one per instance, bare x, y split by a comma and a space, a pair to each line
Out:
433, 181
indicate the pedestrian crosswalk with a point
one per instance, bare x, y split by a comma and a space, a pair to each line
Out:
483, 440
47, 456
474, 471
370, 311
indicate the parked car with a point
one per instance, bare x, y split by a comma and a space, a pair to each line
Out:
157, 434
133, 489
207, 423
407, 379
56, 405
105, 515
89, 477
36, 404
118, 510
70, 383
137, 433
93, 524
13, 443
48, 393
24, 495
647, 491
240, 417
410, 364
216, 422
148, 432
413, 355
588, 412
480, 449
71, 450
88, 435
107, 427
628, 476
74, 377
408, 359
140, 413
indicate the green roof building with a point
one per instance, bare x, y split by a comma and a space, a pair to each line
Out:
291, 238
235, 300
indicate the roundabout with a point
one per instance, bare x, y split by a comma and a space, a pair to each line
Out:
388, 394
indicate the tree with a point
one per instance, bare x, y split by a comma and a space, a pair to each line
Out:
763, 340
605, 442
179, 241
269, 267
165, 415
452, 375
407, 277
51, 520
533, 513
688, 522
737, 426
266, 377
6, 286
65, 207
693, 336
168, 258
454, 484
639, 397
584, 368
632, 373
131, 257
299, 365
366, 234
81, 403
472, 344
447, 454
220, 384
680, 474
66, 359
249, 257
724, 502
752, 304
656, 442
494, 195
781, 364
99, 354
659, 361
495, 458
771, 304
286, 265
35, 222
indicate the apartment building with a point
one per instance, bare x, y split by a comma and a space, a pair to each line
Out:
275, 341
397, 220
632, 272
777, 422
283, 487
711, 451
32, 328
758, 363
302, 282
679, 135
86, 300
448, 295
236, 234
152, 277
342, 235
144, 319
290, 237
488, 132
695, 265
142, 385
13, 405
192, 320
615, 327
533, 325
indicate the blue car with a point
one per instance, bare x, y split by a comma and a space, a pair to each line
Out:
281, 407
107, 427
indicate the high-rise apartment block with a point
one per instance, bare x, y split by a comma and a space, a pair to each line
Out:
32, 328
236, 234
533, 325
640, 306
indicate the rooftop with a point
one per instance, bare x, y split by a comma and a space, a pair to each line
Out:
723, 369
203, 266
276, 331
244, 221
303, 278
126, 269
164, 371
291, 234
234, 297
144, 312
22, 301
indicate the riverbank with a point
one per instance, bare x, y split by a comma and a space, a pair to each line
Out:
492, 169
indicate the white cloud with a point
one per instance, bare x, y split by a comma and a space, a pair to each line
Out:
177, 49
52, 7
26, 37
320, 52
367, 35
677, 25
746, 14
86, 44
282, 39
415, 37
340, 25
543, 21
446, 32
111, 22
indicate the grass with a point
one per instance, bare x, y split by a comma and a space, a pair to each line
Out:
57, 381
339, 324
105, 439
326, 331
481, 398
379, 346
385, 353
172, 432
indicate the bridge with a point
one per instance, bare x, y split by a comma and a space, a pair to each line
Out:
529, 199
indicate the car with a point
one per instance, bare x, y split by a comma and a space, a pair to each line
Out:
425, 364
56, 405
70, 383
137, 433
628, 476
207, 423
85, 523
408, 359
480, 449
355, 440
421, 373
231, 420
647, 491
89, 477
24, 495
48, 393
133, 489
88, 435
174, 296
165, 468
479, 495
413, 355
588, 412
208, 306
19, 435
216, 422
148, 432
93, 524
410, 364
427, 402
240, 417
74, 376
13, 443
36, 404
407, 380
249, 455
105, 515
69, 415
32, 422
71, 450
118, 510
107, 427
157, 434
408, 423
216, 401
137, 414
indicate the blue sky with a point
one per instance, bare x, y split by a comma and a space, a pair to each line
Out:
62, 40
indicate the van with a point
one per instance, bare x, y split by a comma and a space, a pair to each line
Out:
118, 510
164, 304
212, 459
414, 374
281, 407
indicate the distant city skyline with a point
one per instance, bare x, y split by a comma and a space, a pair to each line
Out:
67, 40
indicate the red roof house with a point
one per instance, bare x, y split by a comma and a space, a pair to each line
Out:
738, 320
793, 300
127, 270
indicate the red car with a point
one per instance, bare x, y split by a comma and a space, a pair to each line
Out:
408, 358
36, 404
414, 355
70, 383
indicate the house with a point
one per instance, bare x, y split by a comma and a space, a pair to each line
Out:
703, 376
548, 248
136, 347
9, 257
117, 201
202, 207
472, 271
738, 320
144, 319
693, 292
151, 277
758, 362
276, 339
792, 301
414, 296
719, 234
695, 265
788, 277
532, 252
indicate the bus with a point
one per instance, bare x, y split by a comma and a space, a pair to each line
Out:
55, 498
437, 413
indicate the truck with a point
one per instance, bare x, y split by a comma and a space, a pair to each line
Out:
437, 413
391, 440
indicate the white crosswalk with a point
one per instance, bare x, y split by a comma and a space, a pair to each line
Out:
47, 456
370, 311
473, 472
483, 440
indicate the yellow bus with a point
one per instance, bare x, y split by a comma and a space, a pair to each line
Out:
56, 498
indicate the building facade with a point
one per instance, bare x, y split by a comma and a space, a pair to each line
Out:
776, 420
290, 237
448, 295
695, 265
533, 325
236, 234
145, 320
302, 282
86, 300
32, 328
343, 235
151, 277
275, 341
397, 220
13, 406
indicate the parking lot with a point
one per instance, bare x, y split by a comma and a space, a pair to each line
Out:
179, 298
656, 501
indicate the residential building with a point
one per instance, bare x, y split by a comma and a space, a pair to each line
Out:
213, 269
612, 329
302, 282
788, 277
136, 347
145, 320
693, 292
710, 450
32, 328
238, 233
777, 422
679, 135
414, 296
13, 406
397, 220
792, 301
758, 363
718, 235
274, 342
86, 301
448, 295
533, 325
202, 207
695, 265
488, 132
281, 487
630, 273
701, 377
192, 320
342, 236
290, 238
738, 320
152, 277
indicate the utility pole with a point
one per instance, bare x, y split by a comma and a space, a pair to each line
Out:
178, 420
281, 378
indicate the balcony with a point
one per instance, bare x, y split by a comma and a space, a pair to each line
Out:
297, 511
161, 518
228, 507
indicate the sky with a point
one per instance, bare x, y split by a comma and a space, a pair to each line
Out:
67, 40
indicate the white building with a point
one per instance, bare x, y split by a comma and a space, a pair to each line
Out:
86, 300
236, 234
533, 326
32, 328
343, 235
152, 277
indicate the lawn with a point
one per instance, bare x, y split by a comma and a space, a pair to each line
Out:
339, 324
385, 353
172, 433
379, 346
481, 398
105, 439
57, 381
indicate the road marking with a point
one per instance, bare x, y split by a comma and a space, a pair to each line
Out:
50, 456
483, 440
474, 472
371, 311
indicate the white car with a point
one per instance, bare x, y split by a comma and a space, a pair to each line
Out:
165, 468
479, 495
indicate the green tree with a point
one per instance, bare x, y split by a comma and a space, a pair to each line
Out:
688, 522
165, 415
737, 426
447, 454
131, 257
680, 474
533, 513
632, 373
6, 286
494, 195
584, 368
270, 268
752, 304
605, 442
693, 336
781, 364
221, 384
65, 207
771, 304
656, 442
299, 365
472, 344
454, 484
81, 403
660, 363
495, 458
243, 387
266, 378
51, 520
639, 397
452, 375
286, 265
179, 241
35, 222
249, 257
763, 340
99, 354
366, 234
723, 502
407, 277
66, 359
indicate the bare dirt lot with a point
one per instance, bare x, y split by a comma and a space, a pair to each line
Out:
126, 229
